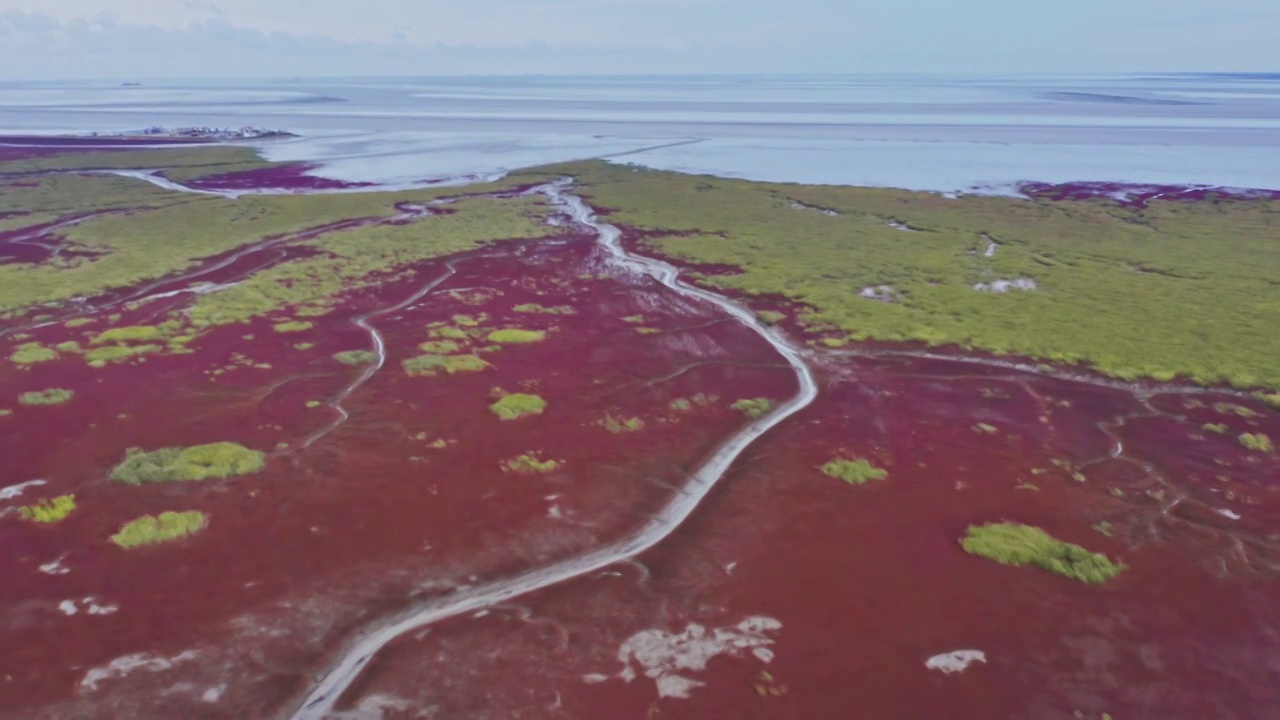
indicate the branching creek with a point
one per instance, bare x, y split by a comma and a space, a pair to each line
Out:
334, 681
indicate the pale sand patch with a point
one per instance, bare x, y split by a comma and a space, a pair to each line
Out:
955, 661
667, 658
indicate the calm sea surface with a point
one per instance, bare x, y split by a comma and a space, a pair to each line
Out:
954, 133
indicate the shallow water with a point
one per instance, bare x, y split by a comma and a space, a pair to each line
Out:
952, 133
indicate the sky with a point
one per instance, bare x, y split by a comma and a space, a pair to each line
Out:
90, 39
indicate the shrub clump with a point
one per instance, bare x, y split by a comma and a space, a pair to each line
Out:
530, 463
518, 405
32, 353
199, 462
52, 396
49, 511
516, 336
854, 472
432, 364
1018, 545
753, 407
151, 529
1257, 441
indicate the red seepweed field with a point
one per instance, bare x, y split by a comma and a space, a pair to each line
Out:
466, 418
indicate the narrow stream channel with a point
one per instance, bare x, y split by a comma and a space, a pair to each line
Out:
330, 686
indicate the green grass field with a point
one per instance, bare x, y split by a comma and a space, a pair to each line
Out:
1174, 290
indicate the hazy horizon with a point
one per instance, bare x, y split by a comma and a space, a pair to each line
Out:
188, 39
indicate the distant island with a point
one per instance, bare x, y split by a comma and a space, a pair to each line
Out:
148, 136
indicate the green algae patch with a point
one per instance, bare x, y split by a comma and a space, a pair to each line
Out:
178, 464
153, 529
439, 347
356, 357
52, 396
854, 472
753, 407
49, 511
516, 336
429, 365
32, 353
518, 405
530, 463
1019, 545
292, 326
1257, 441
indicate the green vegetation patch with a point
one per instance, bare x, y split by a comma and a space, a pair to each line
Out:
516, 336
753, 407
99, 357
1233, 409
854, 472
78, 322
1174, 289
356, 357
431, 364
152, 529
293, 326
52, 396
439, 347
1257, 441
49, 511
1220, 428
133, 333
32, 353
544, 310
199, 462
617, 424
451, 333
530, 463
518, 405
1018, 545
770, 317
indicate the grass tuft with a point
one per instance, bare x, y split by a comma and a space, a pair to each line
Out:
356, 357
516, 336
518, 405
32, 353
753, 407
530, 463
293, 326
199, 462
49, 511
151, 529
854, 472
1257, 441
52, 396
439, 347
431, 364
1220, 428
1019, 545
